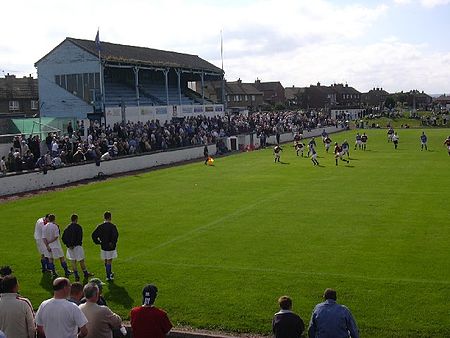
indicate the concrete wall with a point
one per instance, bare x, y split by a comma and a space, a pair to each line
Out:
36, 180
162, 113
65, 59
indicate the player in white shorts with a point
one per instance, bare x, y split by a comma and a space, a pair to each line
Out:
40, 223
73, 238
277, 152
50, 236
345, 148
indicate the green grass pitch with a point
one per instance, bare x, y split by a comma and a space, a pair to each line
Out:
223, 242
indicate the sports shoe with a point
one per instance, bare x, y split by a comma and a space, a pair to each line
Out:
111, 277
88, 274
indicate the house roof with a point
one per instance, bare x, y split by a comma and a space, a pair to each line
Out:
18, 88
267, 85
240, 88
291, 92
344, 89
112, 52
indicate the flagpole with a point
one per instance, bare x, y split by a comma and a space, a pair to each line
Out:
102, 92
223, 73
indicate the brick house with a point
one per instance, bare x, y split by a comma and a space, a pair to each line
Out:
273, 92
19, 96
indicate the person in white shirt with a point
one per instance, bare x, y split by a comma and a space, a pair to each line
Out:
50, 236
42, 249
57, 317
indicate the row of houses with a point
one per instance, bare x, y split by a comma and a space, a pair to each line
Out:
20, 97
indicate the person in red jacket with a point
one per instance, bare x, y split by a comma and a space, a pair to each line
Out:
147, 320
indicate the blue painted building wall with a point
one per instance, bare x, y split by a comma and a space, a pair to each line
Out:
54, 100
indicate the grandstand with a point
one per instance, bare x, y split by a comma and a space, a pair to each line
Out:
76, 80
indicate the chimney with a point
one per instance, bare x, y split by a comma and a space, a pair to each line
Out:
257, 81
318, 84
239, 81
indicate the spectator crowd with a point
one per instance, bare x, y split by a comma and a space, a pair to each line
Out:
77, 311
106, 142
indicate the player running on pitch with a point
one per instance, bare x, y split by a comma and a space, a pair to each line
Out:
447, 143
423, 141
299, 147
358, 141
40, 224
390, 134
395, 139
338, 154
313, 152
327, 142
345, 148
364, 141
311, 145
277, 153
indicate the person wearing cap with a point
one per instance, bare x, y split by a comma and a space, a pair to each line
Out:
285, 323
106, 235
101, 320
330, 319
57, 317
100, 284
16, 312
147, 320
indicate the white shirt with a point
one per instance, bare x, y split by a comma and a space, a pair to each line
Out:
38, 228
49, 232
60, 318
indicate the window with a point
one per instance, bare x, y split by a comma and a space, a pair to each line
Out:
228, 98
34, 104
246, 98
13, 105
253, 98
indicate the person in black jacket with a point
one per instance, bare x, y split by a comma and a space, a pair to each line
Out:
285, 323
106, 235
73, 239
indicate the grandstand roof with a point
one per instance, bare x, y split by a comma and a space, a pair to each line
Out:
112, 52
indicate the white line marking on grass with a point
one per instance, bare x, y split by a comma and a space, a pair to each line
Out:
194, 231
306, 273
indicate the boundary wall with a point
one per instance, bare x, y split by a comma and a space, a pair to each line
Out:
36, 180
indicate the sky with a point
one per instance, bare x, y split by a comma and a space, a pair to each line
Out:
392, 44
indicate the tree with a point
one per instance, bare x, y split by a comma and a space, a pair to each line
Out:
389, 102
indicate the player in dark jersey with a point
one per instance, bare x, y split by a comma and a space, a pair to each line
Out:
364, 141
358, 141
311, 144
390, 133
313, 152
423, 141
338, 154
345, 148
299, 147
447, 143
327, 143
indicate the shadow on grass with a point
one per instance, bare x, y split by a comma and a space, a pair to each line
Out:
47, 282
349, 166
281, 162
118, 294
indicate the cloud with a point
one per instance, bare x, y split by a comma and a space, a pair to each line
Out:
424, 3
295, 41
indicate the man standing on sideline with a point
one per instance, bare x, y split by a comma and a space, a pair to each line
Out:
50, 236
147, 320
57, 317
40, 224
423, 141
16, 313
101, 320
330, 319
106, 235
73, 238
285, 323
